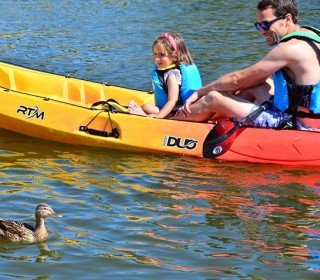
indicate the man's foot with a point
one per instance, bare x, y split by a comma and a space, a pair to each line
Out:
135, 109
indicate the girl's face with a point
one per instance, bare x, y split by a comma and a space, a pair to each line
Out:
161, 56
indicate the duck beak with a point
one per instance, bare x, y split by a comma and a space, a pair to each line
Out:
54, 214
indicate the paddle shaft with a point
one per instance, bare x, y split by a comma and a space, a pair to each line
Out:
254, 113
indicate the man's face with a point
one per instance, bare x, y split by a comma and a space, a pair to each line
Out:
269, 26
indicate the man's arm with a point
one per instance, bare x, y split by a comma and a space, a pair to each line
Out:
251, 76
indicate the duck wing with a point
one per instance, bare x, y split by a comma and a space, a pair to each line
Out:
15, 229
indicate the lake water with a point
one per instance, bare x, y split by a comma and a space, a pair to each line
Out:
143, 216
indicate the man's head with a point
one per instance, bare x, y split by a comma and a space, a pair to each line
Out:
281, 8
275, 19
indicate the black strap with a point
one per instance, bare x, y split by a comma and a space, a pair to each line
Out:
315, 48
311, 115
164, 84
114, 132
299, 95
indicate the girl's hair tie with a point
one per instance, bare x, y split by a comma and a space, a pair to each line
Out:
171, 40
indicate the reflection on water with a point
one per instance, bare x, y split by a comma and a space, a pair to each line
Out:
18, 252
143, 216
158, 214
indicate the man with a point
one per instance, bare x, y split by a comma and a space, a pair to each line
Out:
294, 62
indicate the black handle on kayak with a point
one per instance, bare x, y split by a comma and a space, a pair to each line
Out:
221, 137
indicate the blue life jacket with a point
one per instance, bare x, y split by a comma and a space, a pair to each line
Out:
310, 94
191, 81
288, 96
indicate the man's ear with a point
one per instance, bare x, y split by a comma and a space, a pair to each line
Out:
288, 18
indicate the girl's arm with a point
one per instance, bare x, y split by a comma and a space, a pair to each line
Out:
173, 96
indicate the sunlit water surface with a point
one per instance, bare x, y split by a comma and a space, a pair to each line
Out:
143, 216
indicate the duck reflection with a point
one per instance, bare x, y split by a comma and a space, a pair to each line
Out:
45, 252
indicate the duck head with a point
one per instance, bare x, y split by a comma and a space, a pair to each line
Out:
44, 210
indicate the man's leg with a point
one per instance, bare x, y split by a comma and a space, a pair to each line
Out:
225, 104
260, 93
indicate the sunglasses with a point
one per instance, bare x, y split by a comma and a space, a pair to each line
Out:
265, 25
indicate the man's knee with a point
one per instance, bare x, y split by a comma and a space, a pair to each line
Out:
213, 97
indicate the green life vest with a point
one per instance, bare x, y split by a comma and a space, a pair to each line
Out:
304, 35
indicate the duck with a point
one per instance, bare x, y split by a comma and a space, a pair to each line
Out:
16, 231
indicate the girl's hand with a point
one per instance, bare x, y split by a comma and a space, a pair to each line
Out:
185, 111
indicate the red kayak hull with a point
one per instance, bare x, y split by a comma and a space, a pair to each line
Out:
288, 147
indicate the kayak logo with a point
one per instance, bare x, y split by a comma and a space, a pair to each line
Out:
172, 141
30, 112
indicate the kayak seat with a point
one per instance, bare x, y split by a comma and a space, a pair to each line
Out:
16, 80
82, 93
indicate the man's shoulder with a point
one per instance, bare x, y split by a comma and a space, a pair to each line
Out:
294, 47
286, 45
288, 51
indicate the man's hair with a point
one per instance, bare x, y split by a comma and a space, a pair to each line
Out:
280, 7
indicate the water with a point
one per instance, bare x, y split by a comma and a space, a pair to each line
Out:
143, 216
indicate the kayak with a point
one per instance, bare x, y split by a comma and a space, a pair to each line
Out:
69, 110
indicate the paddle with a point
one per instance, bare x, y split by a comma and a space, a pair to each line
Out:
222, 135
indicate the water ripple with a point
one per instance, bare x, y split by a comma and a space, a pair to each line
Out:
142, 216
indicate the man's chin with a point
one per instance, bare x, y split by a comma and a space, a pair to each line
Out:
272, 44
271, 41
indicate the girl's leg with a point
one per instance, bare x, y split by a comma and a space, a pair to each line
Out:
143, 110
150, 109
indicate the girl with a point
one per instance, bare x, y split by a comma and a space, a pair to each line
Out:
175, 77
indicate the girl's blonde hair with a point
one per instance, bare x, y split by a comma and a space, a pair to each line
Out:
175, 46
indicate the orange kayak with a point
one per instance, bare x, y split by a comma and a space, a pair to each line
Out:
70, 110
